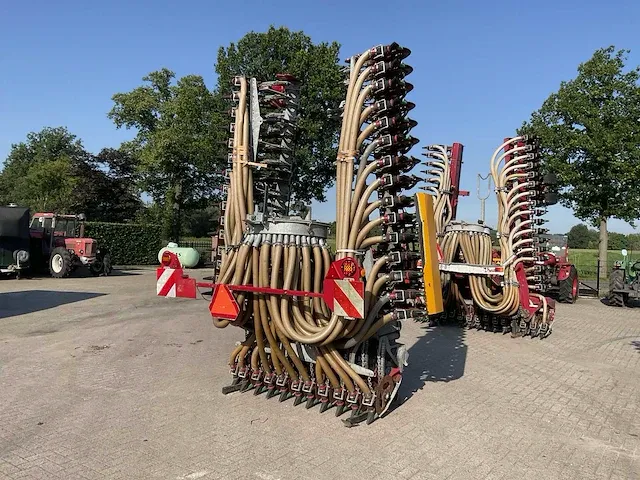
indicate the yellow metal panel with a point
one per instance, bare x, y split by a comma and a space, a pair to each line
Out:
429, 248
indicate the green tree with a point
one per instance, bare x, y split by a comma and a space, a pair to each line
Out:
52, 171
633, 241
617, 241
589, 137
120, 163
317, 67
201, 222
581, 236
177, 150
46, 186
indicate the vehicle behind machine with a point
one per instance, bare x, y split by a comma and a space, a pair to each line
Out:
14, 240
59, 245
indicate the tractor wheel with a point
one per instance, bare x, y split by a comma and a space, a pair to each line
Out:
568, 288
60, 263
102, 266
616, 282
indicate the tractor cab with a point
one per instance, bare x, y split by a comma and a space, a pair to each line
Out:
14, 239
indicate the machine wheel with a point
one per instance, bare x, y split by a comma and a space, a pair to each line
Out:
60, 262
568, 288
616, 282
102, 266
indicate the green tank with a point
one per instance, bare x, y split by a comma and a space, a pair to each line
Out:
189, 257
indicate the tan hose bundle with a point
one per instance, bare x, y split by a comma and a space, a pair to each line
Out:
440, 185
278, 324
297, 263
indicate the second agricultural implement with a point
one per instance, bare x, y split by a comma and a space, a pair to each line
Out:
503, 291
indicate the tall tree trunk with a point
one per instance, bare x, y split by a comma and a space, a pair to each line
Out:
603, 245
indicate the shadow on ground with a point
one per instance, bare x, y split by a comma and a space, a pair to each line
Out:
439, 355
79, 273
21, 303
84, 272
636, 344
631, 303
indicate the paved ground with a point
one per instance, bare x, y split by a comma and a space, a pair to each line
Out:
100, 379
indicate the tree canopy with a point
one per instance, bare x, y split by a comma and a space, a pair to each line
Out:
317, 67
177, 153
51, 171
179, 149
581, 236
590, 138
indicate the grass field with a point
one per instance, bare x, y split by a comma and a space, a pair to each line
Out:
586, 261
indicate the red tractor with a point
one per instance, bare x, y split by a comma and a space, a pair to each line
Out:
58, 241
557, 271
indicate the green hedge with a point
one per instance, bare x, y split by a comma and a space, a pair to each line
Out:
129, 244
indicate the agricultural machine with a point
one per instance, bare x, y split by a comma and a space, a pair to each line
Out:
50, 241
557, 271
624, 282
323, 327
58, 243
14, 240
503, 289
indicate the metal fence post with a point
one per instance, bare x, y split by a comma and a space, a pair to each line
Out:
598, 276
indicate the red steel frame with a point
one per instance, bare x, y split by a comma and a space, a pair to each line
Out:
265, 290
454, 174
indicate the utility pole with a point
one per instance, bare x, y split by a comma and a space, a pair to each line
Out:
484, 198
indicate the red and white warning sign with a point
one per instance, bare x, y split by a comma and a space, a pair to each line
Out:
342, 290
171, 280
166, 281
348, 298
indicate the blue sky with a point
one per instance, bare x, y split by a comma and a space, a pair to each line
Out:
480, 68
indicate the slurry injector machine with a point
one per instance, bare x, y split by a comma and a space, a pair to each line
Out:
499, 290
323, 328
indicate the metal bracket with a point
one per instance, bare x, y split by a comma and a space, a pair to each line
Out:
360, 370
367, 401
472, 269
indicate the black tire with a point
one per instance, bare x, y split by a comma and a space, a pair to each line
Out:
568, 288
616, 282
102, 265
108, 266
60, 262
